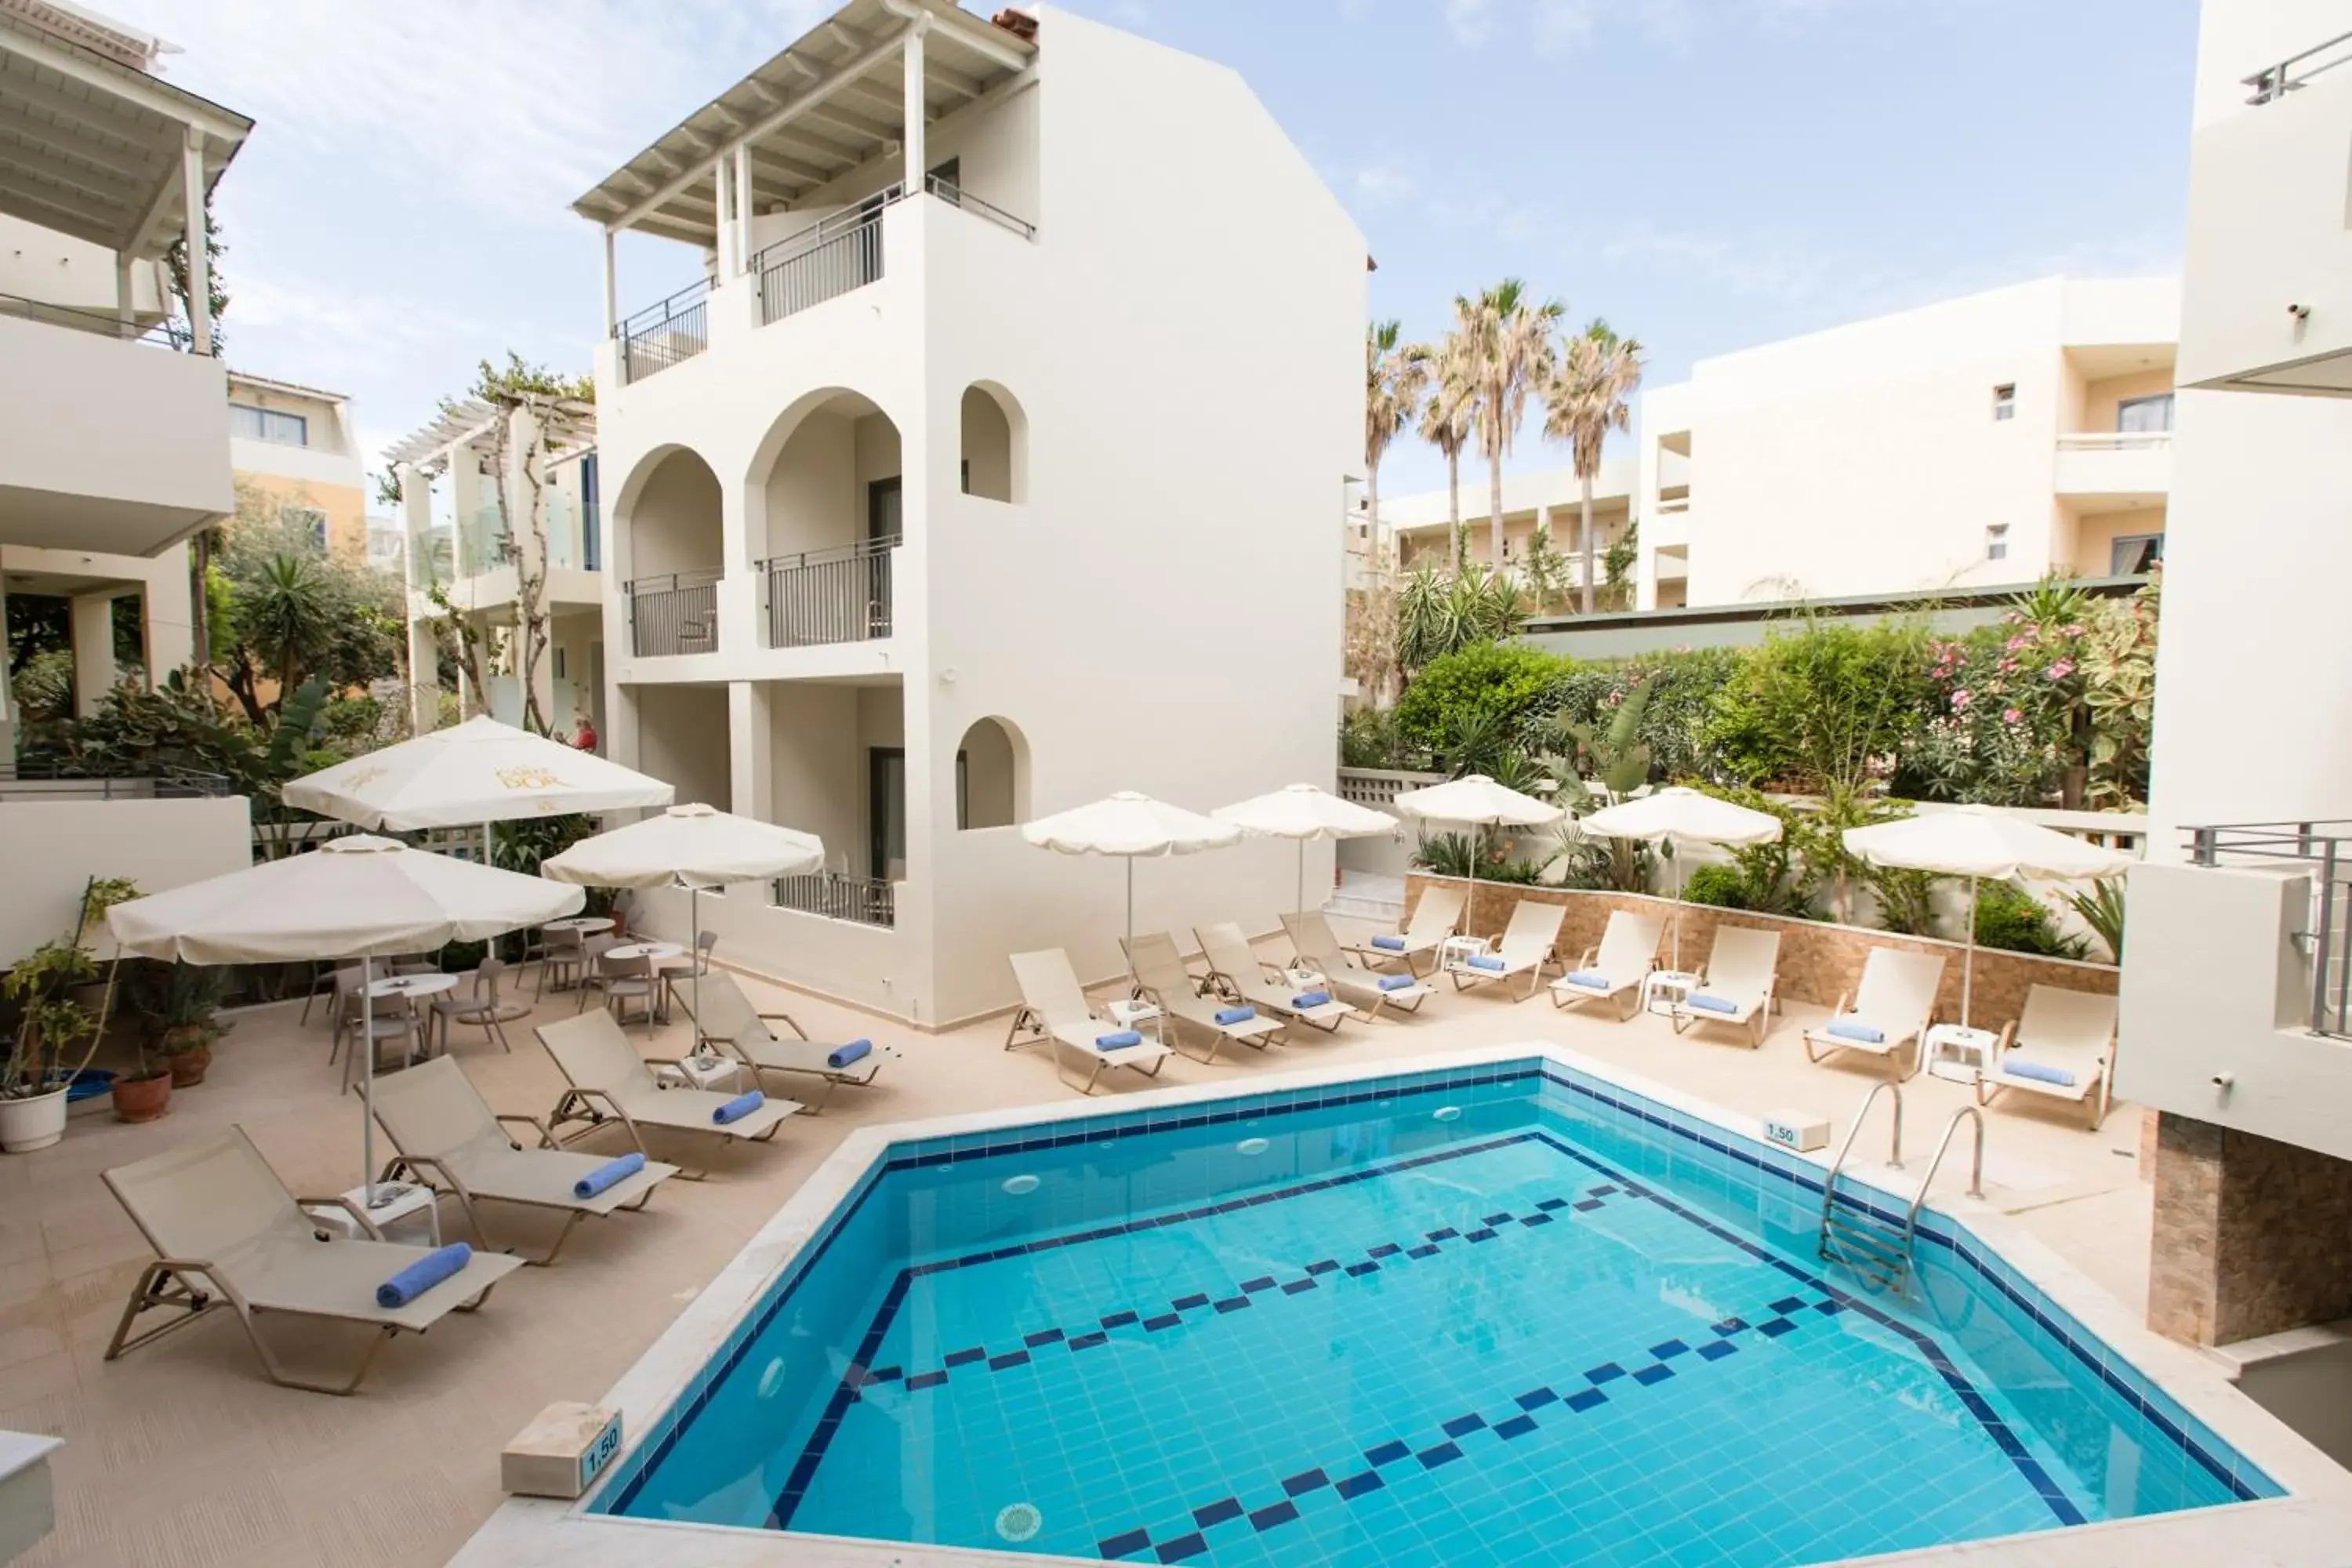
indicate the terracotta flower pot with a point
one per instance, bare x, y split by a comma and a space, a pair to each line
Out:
188, 1066
143, 1098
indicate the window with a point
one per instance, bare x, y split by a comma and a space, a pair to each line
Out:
268, 424
2004, 401
2144, 416
306, 517
1997, 542
2132, 554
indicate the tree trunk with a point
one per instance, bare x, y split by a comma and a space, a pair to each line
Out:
1495, 501
1453, 508
199, 618
1588, 542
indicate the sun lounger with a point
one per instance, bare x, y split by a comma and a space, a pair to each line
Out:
1435, 918
2065, 1047
1890, 1010
1170, 986
1054, 1009
729, 1024
1628, 952
1236, 971
1735, 987
450, 1140
1317, 947
226, 1233
611, 1082
1525, 949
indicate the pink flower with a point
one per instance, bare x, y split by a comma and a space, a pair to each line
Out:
2070, 631
2008, 665
2018, 642
2010, 715
2062, 669
1960, 698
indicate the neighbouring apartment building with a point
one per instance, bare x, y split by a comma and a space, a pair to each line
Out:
1542, 511
919, 521
298, 447
2235, 978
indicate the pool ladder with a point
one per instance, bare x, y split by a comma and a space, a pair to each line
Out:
1875, 1248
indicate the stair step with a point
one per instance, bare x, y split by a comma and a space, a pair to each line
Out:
1866, 1235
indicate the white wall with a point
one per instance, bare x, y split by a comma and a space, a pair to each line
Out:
43, 265
52, 847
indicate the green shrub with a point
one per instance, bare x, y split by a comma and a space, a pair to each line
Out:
1368, 739
1820, 705
1719, 885
2010, 918
1485, 689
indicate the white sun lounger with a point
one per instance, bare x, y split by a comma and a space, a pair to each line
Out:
1054, 1009
1319, 949
1628, 952
226, 1233
730, 1025
1168, 985
2067, 1034
1525, 949
450, 1140
1735, 987
611, 1082
1894, 1002
1435, 918
1235, 968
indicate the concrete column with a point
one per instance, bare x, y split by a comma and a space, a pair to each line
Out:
749, 751
168, 618
742, 209
200, 274
1645, 576
423, 677
917, 159
612, 290
123, 291
7, 698
2248, 1237
722, 250
93, 651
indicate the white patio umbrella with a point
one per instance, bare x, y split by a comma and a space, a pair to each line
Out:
1127, 825
1302, 812
361, 896
478, 772
1479, 802
690, 847
1976, 842
1686, 816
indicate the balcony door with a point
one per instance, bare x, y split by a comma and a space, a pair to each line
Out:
885, 812
885, 512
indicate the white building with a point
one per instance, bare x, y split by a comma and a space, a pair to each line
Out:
300, 447
1980, 441
923, 519
1537, 503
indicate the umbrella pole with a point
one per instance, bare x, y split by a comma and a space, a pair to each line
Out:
1679, 903
694, 918
1968, 965
1300, 907
367, 1083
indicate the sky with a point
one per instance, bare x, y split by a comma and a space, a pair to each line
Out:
1704, 174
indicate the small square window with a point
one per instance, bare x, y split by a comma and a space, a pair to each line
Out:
1997, 542
2004, 401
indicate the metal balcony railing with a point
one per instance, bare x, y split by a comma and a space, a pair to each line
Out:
2274, 82
38, 778
667, 332
2325, 848
862, 901
822, 261
170, 332
829, 596
955, 195
2114, 440
674, 613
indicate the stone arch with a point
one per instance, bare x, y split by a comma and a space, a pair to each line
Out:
995, 443
992, 783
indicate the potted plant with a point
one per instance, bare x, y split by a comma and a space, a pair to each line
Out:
49, 1024
181, 1003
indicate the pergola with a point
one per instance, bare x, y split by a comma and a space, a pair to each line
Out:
94, 146
859, 87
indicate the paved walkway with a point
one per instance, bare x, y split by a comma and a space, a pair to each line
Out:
182, 1453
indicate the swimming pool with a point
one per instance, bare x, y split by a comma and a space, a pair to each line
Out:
1493, 1315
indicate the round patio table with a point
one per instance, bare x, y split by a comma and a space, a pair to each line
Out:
586, 925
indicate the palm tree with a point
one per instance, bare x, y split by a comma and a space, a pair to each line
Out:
1587, 398
292, 617
1395, 381
1510, 358
1445, 420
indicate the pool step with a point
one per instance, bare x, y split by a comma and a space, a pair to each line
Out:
1871, 1247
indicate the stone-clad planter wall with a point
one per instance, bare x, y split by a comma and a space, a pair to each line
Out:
1819, 963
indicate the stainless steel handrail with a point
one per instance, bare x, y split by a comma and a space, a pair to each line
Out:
1975, 1170
2274, 82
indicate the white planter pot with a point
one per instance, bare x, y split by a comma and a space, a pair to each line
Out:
35, 1124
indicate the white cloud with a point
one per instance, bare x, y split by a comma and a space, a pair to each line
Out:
1381, 184
1470, 21
1562, 25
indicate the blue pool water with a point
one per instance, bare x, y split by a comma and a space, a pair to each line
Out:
1504, 1315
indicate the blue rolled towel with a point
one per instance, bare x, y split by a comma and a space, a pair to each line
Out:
842, 1056
421, 1276
1388, 943
1486, 961
1707, 1004
1591, 979
1397, 982
1306, 999
1848, 1029
610, 1173
2041, 1073
1235, 1014
1118, 1039
741, 1106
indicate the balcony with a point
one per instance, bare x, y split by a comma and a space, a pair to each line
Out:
674, 613
109, 441
822, 596
2124, 465
665, 333
860, 900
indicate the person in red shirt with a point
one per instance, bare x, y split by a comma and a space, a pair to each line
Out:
583, 734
